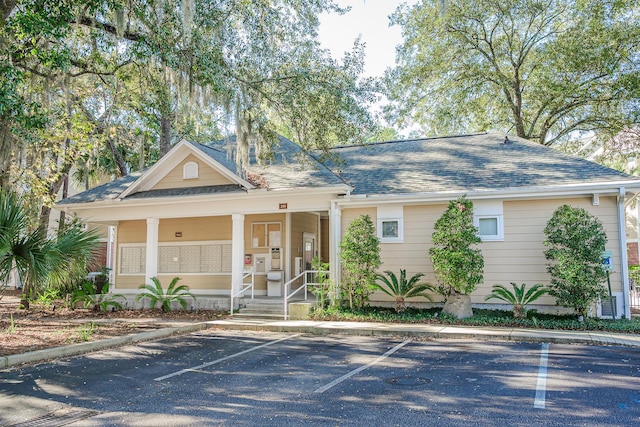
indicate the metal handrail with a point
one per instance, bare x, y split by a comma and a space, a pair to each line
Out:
305, 285
244, 287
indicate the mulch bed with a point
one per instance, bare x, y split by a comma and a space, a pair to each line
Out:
54, 325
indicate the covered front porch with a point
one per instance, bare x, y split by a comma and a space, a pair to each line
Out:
237, 262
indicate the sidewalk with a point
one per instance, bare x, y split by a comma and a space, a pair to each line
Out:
342, 328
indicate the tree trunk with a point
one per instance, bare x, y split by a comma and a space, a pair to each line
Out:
165, 134
458, 305
63, 214
24, 297
117, 158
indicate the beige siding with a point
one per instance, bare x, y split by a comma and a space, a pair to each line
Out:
260, 279
206, 176
519, 258
195, 229
349, 215
324, 239
132, 231
302, 223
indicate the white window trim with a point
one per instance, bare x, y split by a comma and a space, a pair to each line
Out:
398, 239
490, 238
190, 170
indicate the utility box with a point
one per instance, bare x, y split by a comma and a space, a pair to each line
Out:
274, 283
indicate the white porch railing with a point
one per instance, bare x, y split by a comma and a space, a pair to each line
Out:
304, 286
243, 288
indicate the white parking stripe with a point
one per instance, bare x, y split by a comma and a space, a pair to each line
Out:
361, 368
204, 365
541, 386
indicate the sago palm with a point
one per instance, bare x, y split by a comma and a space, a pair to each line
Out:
156, 294
519, 298
401, 288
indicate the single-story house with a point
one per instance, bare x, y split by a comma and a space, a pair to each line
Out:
194, 214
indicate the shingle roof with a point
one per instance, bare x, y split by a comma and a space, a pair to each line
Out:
463, 163
109, 191
290, 168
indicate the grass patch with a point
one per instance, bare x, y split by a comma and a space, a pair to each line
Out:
497, 318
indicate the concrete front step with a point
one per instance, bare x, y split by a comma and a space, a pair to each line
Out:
259, 315
267, 308
261, 308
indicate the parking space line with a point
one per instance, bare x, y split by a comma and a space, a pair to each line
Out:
541, 386
204, 365
361, 368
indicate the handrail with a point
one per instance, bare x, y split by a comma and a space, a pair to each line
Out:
305, 285
244, 287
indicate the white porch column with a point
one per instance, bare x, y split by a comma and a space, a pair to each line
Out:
286, 263
237, 252
111, 256
624, 270
335, 227
152, 249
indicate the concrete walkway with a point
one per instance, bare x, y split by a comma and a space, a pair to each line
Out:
344, 328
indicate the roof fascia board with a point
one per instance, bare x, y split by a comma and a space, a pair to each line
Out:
207, 207
604, 189
258, 194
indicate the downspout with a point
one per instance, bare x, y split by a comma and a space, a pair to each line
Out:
623, 254
335, 224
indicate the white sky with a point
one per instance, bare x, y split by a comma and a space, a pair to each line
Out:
370, 19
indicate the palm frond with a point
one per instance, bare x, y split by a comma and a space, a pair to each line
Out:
401, 288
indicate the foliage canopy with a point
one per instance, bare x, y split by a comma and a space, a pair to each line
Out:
543, 68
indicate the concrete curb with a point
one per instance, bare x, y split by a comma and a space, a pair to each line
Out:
88, 347
432, 331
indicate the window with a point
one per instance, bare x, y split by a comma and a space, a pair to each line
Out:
489, 228
266, 235
488, 218
214, 257
190, 170
390, 223
133, 259
390, 228
211, 257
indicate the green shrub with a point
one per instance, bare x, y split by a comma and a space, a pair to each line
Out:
519, 298
481, 317
156, 294
458, 265
324, 284
634, 274
401, 288
360, 255
575, 241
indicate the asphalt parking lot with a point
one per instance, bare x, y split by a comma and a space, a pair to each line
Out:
237, 378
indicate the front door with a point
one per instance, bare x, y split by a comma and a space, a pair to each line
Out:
309, 244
